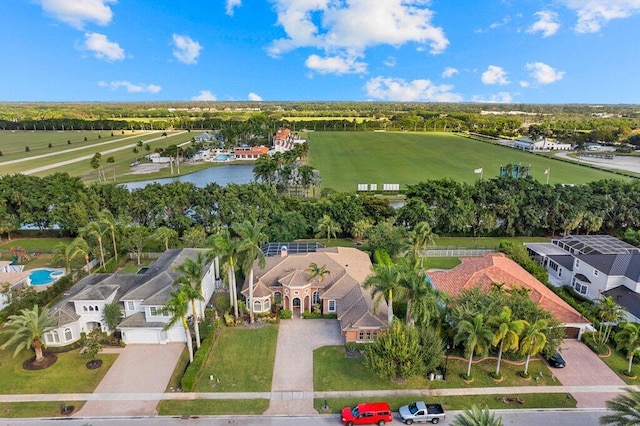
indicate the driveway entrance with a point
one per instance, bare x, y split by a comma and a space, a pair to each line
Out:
139, 369
585, 368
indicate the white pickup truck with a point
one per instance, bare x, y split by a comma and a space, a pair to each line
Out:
419, 412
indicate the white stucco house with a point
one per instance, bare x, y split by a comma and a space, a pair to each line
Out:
525, 143
593, 265
141, 297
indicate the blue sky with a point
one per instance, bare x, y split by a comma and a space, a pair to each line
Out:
509, 51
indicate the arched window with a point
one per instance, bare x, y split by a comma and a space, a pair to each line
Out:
67, 334
277, 298
315, 298
267, 305
52, 337
257, 306
84, 308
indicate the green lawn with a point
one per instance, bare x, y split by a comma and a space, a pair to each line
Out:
212, 407
68, 375
333, 371
34, 244
618, 363
346, 159
484, 242
36, 409
441, 262
241, 361
536, 400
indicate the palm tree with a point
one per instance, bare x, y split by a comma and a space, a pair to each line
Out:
225, 247
384, 281
25, 331
609, 312
67, 252
420, 238
506, 333
625, 409
178, 308
106, 218
476, 416
251, 238
533, 340
193, 271
475, 336
316, 271
360, 228
628, 338
82, 249
165, 236
96, 230
415, 288
327, 226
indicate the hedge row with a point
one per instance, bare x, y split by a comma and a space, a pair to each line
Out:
194, 370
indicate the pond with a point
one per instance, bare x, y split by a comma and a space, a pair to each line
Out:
222, 175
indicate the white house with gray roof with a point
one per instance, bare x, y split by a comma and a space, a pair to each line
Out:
593, 265
141, 297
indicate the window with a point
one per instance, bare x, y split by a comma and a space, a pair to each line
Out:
267, 305
130, 306
52, 337
84, 308
277, 298
375, 334
257, 306
332, 306
595, 272
368, 335
579, 287
361, 335
560, 272
315, 298
553, 265
153, 310
67, 334
577, 263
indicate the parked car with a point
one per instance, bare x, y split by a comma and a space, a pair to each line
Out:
555, 360
420, 411
368, 413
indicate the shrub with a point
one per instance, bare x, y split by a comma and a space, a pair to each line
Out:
85, 138
194, 370
590, 338
27, 149
286, 314
50, 145
68, 141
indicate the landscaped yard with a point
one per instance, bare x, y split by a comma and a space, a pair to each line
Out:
68, 375
241, 361
212, 407
619, 363
36, 409
333, 371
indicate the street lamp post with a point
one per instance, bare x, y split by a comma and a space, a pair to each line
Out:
446, 362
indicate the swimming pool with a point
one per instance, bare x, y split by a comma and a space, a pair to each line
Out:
224, 157
44, 276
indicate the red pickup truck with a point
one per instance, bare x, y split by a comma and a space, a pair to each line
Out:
369, 413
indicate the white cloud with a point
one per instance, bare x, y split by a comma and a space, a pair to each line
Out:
102, 47
232, 4
543, 73
495, 75
254, 97
495, 25
335, 65
347, 29
449, 72
593, 14
547, 23
390, 61
186, 50
131, 87
397, 89
524, 83
498, 98
77, 13
204, 95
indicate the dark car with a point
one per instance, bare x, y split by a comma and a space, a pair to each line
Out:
555, 360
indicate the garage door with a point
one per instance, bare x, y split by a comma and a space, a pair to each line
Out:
142, 336
571, 332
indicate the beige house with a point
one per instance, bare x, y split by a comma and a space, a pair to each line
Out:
286, 279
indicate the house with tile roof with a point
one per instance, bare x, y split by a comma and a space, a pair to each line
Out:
593, 265
141, 297
285, 279
246, 152
13, 276
492, 268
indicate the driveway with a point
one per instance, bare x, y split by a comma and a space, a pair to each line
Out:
585, 368
292, 385
138, 369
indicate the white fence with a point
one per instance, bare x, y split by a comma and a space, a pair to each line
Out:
458, 252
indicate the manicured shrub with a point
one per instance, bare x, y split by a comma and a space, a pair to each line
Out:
192, 375
286, 314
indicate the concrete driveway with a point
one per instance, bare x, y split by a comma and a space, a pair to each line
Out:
585, 368
292, 386
138, 369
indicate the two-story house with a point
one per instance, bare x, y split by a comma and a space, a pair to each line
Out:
141, 297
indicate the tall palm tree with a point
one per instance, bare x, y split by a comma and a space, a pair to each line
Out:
383, 281
67, 252
506, 333
476, 416
81, 247
178, 308
165, 236
327, 226
628, 338
192, 272
106, 218
251, 238
25, 330
417, 291
609, 312
316, 271
227, 248
420, 238
96, 230
533, 340
625, 409
476, 337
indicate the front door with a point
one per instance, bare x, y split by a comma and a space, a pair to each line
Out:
295, 303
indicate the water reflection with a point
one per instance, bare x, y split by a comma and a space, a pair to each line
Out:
222, 175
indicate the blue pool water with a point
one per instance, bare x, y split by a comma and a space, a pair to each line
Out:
221, 157
44, 276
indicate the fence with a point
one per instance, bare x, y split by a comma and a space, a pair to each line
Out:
145, 255
459, 252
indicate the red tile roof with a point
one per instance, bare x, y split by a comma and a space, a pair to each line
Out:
498, 268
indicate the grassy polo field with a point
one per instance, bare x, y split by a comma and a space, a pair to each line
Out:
346, 159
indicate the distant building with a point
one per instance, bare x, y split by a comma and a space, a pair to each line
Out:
525, 143
250, 152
